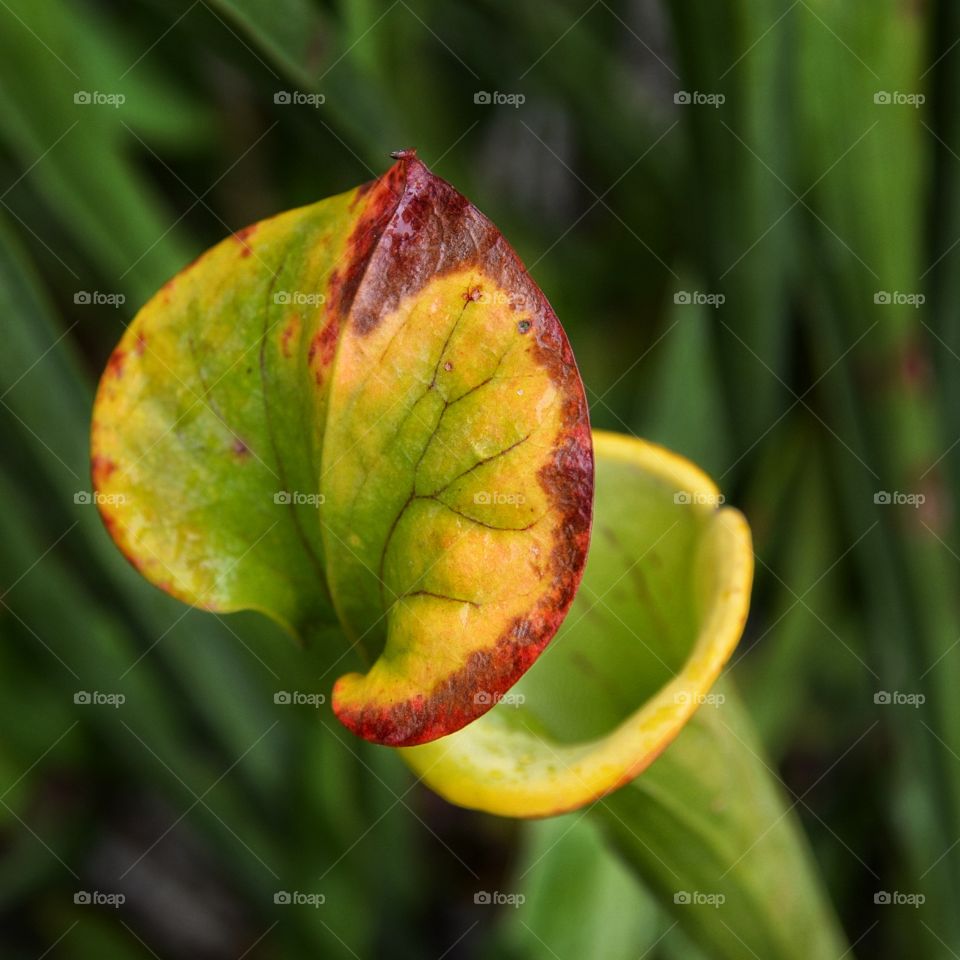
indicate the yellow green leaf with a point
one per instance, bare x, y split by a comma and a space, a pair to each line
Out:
360, 413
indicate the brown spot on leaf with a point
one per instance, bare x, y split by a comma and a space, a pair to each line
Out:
110, 522
431, 230
115, 363
323, 348
290, 329
241, 237
380, 201
101, 468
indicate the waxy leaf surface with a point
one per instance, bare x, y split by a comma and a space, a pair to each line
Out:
622, 716
662, 606
363, 413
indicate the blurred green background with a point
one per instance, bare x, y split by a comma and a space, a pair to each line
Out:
747, 216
